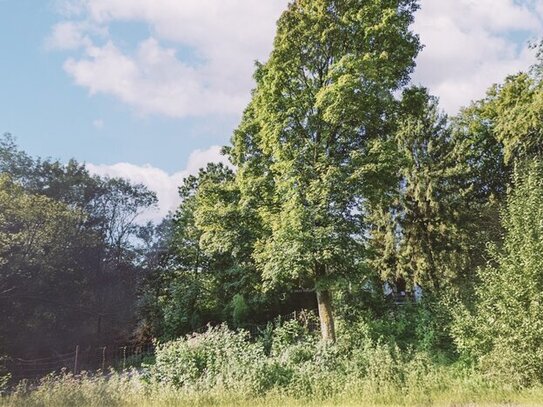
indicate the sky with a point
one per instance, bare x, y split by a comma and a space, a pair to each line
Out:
150, 89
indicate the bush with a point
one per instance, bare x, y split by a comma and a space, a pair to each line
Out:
298, 363
504, 331
225, 360
240, 310
218, 359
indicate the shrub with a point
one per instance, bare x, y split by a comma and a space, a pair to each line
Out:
240, 310
223, 368
504, 331
217, 359
298, 364
225, 360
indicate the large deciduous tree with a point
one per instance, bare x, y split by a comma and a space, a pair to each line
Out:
320, 109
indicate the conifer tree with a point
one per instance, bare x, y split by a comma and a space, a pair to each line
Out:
430, 229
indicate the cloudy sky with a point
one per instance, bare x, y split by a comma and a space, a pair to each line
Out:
149, 89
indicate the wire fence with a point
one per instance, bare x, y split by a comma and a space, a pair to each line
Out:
94, 359
80, 359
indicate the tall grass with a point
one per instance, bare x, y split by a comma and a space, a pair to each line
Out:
226, 368
130, 389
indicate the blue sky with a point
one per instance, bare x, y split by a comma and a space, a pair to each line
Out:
51, 116
148, 89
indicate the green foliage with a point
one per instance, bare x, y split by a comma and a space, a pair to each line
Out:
298, 364
39, 245
71, 254
223, 367
297, 124
516, 107
426, 228
207, 273
422, 327
289, 333
309, 146
192, 286
504, 332
219, 358
240, 310
225, 360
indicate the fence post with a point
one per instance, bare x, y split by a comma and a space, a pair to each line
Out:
76, 359
103, 359
124, 357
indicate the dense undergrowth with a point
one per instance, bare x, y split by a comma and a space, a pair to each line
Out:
286, 365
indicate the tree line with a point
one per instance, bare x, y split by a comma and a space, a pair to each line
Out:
345, 176
72, 254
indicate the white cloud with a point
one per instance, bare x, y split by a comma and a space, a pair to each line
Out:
199, 58
165, 185
69, 8
72, 35
98, 123
469, 46
67, 36
153, 80
224, 38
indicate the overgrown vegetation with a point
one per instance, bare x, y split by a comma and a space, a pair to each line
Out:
224, 367
415, 240
503, 331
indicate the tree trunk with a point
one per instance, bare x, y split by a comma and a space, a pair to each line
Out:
324, 299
